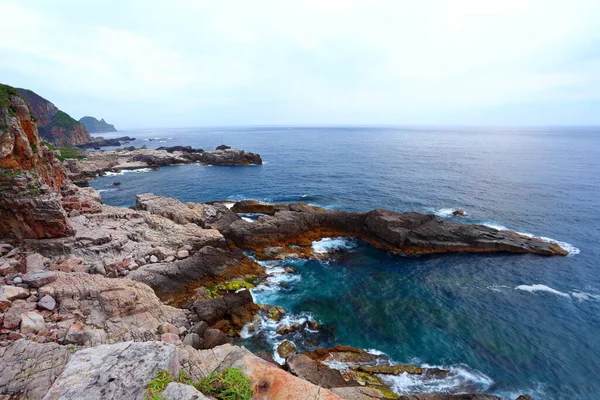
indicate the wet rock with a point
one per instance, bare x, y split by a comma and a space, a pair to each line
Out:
458, 212
389, 369
47, 303
345, 354
118, 371
319, 374
223, 147
273, 312
524, 397
286, 348
39, 279
443, 396
180, 391
213, 338
32, 322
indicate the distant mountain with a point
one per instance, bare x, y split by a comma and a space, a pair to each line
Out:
54, 126
95, 126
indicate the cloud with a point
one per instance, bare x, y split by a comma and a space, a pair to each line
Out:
236, 62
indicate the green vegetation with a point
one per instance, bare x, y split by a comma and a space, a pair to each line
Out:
63, 120
228, 384
66, 152
10, 173
158, 385
5, 93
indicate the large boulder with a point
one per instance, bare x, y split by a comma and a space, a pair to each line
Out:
117, 371
28, 369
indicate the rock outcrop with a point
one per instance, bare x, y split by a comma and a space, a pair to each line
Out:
97, 126
98, 163
30, 177
99, 142
407, 233
55, 126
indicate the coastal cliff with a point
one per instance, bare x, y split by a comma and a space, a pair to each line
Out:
99, 301
97, 126
30, 176
54, 126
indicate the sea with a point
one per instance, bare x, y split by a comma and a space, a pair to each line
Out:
503, 324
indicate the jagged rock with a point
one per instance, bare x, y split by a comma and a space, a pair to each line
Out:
180, 391
39, 279
47, 303
223, 147
358, 393
286, 348
458, 212
408, 233
29, 368
13, 292
215, 264
524, 397
12, 317
118, 371
213, 338
116, 309
32, 322
194, 340
319, 374
237, 307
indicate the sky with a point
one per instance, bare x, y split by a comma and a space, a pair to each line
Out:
186, 63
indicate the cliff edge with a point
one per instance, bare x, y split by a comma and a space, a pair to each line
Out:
55, 126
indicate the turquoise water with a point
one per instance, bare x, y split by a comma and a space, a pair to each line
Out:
505, 324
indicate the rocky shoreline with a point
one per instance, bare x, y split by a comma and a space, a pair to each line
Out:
101, 162
95, 300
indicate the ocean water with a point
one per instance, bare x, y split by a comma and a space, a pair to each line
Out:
504, 324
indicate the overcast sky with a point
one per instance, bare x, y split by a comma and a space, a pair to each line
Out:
182, 63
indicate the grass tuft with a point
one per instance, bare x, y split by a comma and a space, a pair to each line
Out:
228, 384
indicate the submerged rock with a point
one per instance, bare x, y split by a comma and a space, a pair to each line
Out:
286, 348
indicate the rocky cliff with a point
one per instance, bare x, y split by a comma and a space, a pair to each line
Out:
30, 176
95, 126
55, 126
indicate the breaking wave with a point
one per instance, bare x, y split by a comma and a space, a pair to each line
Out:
541, 288
570, 249
327, 245
128, 171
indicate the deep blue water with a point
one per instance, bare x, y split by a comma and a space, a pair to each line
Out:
462, 311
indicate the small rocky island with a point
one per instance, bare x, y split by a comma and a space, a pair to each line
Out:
97, 126
103, 302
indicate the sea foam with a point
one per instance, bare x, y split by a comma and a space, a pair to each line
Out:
569, 248
326, 245
541, 288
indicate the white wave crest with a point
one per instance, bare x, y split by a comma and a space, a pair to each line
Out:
460, 379
106, 190
326, 245
128, 171
569, 248
446, 212
584, 296
541, 288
